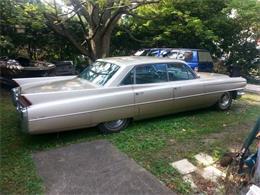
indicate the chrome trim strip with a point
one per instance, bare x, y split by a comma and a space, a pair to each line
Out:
104, 109
15, 93
77, 113
24, 118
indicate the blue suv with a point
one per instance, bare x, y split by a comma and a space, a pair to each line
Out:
198, 59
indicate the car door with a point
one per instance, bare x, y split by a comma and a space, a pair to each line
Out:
152, 92
188, 91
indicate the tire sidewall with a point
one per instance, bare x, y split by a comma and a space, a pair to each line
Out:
104, 129
220, 106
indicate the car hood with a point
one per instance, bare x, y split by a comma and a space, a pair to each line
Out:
57, 86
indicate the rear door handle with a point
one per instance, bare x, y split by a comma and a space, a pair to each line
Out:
177, 88
139, 93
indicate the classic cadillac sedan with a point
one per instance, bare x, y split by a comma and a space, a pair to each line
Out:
113, 91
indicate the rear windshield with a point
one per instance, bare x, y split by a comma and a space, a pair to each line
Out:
99, 73
204, 57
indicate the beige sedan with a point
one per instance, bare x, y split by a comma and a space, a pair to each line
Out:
113, 91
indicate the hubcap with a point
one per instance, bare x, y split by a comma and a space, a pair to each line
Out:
114, 124
224, 101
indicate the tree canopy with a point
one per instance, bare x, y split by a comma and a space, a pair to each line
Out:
226, 28
24, 32
99, 28
97, 20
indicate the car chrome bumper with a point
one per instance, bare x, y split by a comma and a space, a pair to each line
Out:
16, 92
239, 94
24, 119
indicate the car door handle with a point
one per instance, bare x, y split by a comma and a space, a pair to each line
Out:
177, 88
139, 93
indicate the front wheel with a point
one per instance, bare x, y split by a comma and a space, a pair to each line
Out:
113, 126
224, 101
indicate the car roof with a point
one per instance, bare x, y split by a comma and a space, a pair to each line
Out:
168, 48
136, 60
185, 49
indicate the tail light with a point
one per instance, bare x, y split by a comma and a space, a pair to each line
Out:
24, 101
16, 84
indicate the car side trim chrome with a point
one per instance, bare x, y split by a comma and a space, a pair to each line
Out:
129, 105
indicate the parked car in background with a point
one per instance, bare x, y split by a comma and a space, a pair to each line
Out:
113, 91
197, 59
156, 52
25, 68
22, 68
64, 68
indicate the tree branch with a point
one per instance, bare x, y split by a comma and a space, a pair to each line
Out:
133, 37
61, 30
125, 9
78, 5
140, 17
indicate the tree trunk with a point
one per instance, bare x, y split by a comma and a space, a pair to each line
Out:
99, 22
100, 45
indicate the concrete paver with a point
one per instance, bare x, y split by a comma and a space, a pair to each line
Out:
184, 166
188, 178
204, 159
211, 173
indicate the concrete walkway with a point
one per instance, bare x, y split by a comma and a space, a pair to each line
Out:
95, 167
253, 88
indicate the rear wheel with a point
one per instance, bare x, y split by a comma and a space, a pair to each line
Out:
113, 126
224, 101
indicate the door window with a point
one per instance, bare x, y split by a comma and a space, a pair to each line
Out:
179, 71
151, 73
129, 79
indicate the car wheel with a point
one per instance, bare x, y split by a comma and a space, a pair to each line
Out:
224, 101
113, 126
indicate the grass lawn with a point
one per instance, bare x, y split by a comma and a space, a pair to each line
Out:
153, 143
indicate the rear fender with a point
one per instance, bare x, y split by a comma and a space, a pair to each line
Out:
40, 80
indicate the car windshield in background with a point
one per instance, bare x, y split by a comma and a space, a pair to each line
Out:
99, 73
142, 52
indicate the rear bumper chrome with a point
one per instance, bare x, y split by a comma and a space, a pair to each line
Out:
23, 112
16, 92
24, 119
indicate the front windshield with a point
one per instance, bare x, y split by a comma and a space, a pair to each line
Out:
99, 73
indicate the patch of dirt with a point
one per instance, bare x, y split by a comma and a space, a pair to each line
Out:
231, 137
204, 185
235, 183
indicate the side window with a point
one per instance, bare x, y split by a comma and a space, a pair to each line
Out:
173, 54
153, 52
178, 72
187, 56
152, 73
129, 79
204, 56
